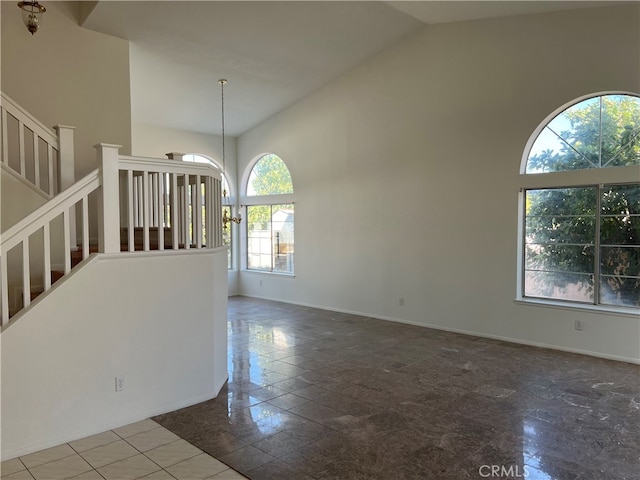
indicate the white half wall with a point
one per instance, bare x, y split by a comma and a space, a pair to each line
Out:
406, 172
158, 320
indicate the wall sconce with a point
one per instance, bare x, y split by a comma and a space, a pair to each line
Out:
32, 15
226, 219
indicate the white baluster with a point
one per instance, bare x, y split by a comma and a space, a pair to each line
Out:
145, 210
50, 169
5, 144
46, 271
4, 289
67, 240
36, 160
21, 148
185, 212
132, 211
197, 212
85, 227
26, 274
174, 210
159, 199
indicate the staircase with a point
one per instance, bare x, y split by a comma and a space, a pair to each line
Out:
135, 204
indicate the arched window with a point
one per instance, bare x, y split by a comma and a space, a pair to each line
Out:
226, 201
270, 216
580, 220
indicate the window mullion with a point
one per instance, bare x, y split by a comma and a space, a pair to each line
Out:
271, 236
596, 253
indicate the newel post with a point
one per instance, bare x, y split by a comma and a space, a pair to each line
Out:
67, 173
109, 199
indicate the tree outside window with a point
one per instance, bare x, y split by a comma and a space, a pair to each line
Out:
582, 242
270, 226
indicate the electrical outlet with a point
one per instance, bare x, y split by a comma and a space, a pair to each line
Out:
119, 384
579, 325
401, 301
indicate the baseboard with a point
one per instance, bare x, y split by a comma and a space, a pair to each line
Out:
111, 426
473, 333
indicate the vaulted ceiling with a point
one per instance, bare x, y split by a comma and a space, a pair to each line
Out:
272, 53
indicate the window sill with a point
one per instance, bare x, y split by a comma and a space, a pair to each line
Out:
272, 274
603, 309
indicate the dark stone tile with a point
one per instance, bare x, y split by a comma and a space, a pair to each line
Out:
287, 401
276, 470
349, 397
246, 458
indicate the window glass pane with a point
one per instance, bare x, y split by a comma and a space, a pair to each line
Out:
550, 153
598, 132
562, 286
269, 176
561, 229
620, 230
579, 128
620, 130
282, 225
620, 279
552, 258
259, 254
562, 201
620, 240
621, 199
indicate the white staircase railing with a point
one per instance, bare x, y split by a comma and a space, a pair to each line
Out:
173, 204
33, 152
21, 235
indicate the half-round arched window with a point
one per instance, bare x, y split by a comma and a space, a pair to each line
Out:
580, 205
598, 132
269, 176
270, 216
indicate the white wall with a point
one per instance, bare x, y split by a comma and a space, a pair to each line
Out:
65, 74
406, 173
12, 211
167, 339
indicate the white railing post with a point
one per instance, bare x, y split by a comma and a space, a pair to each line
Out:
109, 199
67, 173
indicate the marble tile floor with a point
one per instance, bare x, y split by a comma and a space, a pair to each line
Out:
314, 394
143, 450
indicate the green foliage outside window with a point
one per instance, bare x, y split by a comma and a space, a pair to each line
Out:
583, 243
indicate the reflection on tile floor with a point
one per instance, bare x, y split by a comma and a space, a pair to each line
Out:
325, 395
140, 450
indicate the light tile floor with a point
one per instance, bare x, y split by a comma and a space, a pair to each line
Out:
140, 450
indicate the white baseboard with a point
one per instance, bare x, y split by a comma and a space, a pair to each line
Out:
590, 353
83, 433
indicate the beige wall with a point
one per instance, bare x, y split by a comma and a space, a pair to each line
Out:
68, 75
406, 172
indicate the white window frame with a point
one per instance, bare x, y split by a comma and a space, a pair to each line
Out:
567, 179
257, 200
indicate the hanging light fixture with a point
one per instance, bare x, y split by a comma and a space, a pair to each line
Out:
226, 218
31, 14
